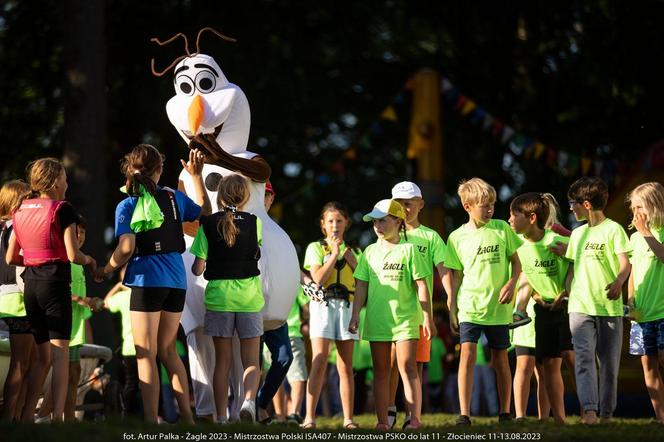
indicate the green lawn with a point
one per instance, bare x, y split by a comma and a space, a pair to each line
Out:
438, 427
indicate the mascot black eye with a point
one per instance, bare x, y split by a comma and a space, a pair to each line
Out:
205, 81
212, 181
184, 85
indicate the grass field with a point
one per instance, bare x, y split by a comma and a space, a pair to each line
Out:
438, 427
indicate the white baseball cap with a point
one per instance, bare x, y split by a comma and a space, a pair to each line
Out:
406, 190
384, 208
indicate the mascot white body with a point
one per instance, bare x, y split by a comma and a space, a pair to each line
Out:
206, 104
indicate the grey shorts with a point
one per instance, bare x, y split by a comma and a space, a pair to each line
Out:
224, 324
298, 369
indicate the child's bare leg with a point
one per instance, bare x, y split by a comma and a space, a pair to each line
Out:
503, 378
543, 404
380, 354
553, 380
168, 355
249, 350
223, 350
346, 381
320, 348
298, 389
524, 371
394, 376
466, 367
407, 360
145, 327
72, 390
60, 377
22, 346
279, 404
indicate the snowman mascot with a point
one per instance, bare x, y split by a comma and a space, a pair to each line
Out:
212, 114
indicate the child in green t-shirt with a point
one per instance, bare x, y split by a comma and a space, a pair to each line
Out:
646, 282
485, 269
432, 248
599, 250
227, 249
391, 279
543, 283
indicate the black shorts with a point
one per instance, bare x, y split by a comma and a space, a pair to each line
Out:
497, 335
552, 334
524, 351
156, 299
48, 308
18, 325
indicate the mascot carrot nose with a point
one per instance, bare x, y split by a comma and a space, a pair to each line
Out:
196, 114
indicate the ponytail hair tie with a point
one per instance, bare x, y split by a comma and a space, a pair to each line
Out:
232, 209
136, 172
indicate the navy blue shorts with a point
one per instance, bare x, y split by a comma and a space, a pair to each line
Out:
497, 335
653, 336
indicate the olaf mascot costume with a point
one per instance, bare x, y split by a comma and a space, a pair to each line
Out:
213, 115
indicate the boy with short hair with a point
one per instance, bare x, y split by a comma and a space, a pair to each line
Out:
481, 289
599, 250
545, 273
432, 248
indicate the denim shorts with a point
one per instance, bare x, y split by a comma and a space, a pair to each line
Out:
653, 336
497, 335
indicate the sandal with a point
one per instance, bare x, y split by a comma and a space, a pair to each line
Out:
523, 320
381, 426
350, 425
308, 425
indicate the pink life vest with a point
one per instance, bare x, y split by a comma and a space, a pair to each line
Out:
38, 232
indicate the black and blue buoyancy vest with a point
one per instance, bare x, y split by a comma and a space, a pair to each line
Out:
168, 237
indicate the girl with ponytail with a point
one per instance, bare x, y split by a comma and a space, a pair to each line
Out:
148, 225
227, 249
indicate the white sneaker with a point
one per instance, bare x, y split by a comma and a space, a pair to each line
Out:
248, 411
43, 420
222, 420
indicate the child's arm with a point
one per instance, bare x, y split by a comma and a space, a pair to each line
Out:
451, 282
13, 256
320, 273
614, 290
358, 302
116, 288
198, 267
630, 293
122, 253
640, 223
507, 292
75, 254
569, 279
523, 294
442, 271
195, 168
428, 328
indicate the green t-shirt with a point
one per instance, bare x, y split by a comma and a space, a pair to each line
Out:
392, 312
432, 248
79, 313
595, 251
483, 255
78, 287
230, 295
294, 322
362, 349
524, 336
435, 365
11, 305
545, 271
119, 303
648, 274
